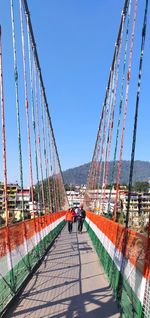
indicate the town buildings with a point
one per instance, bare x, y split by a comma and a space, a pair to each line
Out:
15, 197
139, 209
12, 192
97, 201
103, 202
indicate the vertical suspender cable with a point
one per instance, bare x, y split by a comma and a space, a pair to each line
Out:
54, 174
46, 193
102, 143
106, 121
27, 105
125, 106
51, 166
133, 150
111, 123
19, 130
10, 266
54, 179
45, 148
47, 158
3, 133
17, 103
39, 139
27, 115
136, 110
41, 80
106, 139
33, 114
120, 104
125, 8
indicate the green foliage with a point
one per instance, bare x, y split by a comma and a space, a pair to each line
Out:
38, 192
121, 218
140, 186
70, 187
56, 200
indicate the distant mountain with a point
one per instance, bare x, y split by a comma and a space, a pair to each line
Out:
78, 175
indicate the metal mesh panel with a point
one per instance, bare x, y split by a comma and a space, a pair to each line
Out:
146, 307
122, 253
28, 242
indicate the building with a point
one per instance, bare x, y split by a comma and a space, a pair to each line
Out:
97, 200
25, 195
15, 196
12, 192
139, 209
76, 197
73, 198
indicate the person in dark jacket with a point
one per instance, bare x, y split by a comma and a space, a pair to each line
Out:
81, 214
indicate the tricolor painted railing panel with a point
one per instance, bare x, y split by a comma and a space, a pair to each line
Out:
22, 245
125, 258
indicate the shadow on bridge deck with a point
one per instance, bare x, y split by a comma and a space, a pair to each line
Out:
69, 283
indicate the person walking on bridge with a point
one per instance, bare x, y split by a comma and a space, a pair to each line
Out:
81, 217
70, 218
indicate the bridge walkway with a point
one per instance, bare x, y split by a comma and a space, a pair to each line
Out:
69, 283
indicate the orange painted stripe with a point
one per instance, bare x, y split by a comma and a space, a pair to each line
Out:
2, 241
27, 229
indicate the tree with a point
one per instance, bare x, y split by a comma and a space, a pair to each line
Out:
141, 186
70, 187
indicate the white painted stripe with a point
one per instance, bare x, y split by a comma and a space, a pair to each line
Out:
135, 279
20, 251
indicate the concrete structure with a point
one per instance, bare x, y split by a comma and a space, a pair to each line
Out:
25, 194
97, 198
139, 205
12, 191
139, 209
75, 198
14, 202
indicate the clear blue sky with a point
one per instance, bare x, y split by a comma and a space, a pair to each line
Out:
75, 42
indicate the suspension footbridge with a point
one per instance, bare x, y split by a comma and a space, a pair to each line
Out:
44, 270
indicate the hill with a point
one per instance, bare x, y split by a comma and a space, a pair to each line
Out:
78, 175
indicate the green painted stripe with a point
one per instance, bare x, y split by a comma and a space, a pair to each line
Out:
129, 303
22, 270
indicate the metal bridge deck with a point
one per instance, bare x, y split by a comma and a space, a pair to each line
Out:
69, 283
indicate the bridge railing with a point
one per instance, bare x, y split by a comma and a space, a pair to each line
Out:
124, 255
22, 246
